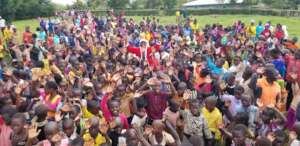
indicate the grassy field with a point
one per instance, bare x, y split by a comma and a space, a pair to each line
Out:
292, 23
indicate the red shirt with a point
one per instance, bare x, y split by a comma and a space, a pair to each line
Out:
156, 104
27, 37
149, 55
279, 34
293, 66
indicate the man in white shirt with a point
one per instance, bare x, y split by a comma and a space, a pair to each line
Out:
2, 24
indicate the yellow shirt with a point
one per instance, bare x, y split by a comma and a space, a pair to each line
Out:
88, 139
194, 27
214, 119
177, 13
7, 34
251, 30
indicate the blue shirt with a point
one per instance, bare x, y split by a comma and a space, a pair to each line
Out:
213, 67
259, 30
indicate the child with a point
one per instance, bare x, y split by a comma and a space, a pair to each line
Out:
272, 120
52, 99
172, 112
7, 112
239, 136
251, 110
93, 135
213, 117
19, 135
53, 136
41, 113
263, 141
158, 136
194, 122
69, 129
295, 135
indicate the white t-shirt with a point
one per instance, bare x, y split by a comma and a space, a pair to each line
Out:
295, 143
2, 23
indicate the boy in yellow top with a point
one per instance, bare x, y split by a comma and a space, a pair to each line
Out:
194, 25
213, 117
251, 30
95, 134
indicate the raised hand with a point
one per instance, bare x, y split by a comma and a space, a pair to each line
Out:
187, 94
32, 131
58, 116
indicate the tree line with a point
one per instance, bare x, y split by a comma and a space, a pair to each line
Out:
24, 9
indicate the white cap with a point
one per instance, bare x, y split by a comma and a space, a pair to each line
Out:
252, 21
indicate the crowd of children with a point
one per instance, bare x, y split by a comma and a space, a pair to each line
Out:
83, 80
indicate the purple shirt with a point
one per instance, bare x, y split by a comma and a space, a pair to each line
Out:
156, 104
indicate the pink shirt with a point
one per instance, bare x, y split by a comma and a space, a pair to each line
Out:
5, 132
108, 116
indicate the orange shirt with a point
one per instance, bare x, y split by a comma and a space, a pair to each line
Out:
269, 92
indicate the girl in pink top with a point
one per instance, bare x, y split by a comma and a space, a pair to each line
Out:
111, 108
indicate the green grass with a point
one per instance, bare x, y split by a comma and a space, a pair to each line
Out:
292, 23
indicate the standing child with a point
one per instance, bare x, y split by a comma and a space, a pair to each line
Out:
213, 117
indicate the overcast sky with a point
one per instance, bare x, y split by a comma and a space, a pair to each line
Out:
64, 2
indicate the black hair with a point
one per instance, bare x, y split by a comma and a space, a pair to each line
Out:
20, 116
78, 141
7, 111
242, 118
141, 102
51, 85
242, 128
39, 64
92, 104
41, 112
239, 88
67, 122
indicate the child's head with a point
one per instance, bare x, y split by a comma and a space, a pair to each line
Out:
241, 118
51, 87
94, 129
230, 79
263, 141
51, 130
68, 127
18, 123
247, 73
246, 100
174, 105
280, 138
41, 112
271, 74
114, 106
181, 88
239, 134
7, 111
131, 138
210, 103
77, 142
194, 107
75, 111
158, 127
297, 129
93, 107
238, 91
267, 115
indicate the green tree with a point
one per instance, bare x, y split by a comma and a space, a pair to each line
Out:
153, 4
79, 5
169, 4
118, 4
96, 4
22, 9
